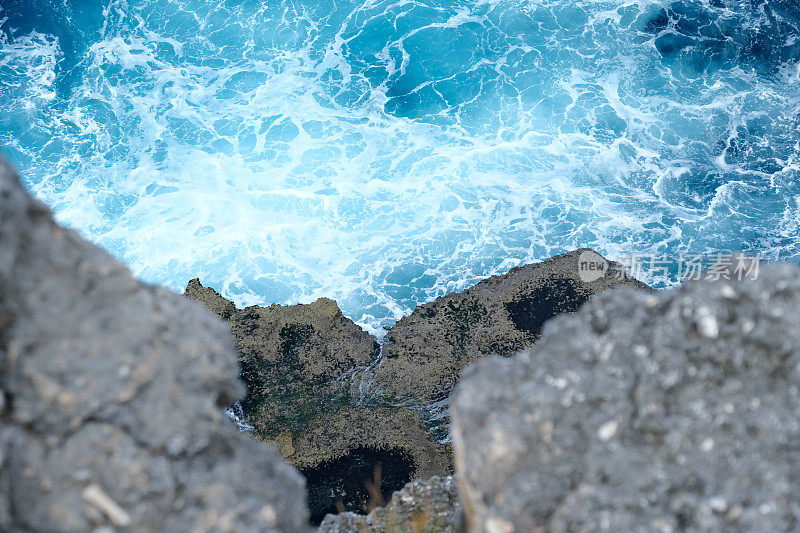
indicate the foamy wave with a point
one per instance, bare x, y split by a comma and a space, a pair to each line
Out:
383, 153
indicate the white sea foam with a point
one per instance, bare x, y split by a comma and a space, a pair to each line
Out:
383, 153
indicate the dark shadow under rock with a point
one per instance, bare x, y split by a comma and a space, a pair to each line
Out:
354, 432
344, 484
554, 297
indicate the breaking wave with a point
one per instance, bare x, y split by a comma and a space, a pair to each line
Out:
386, 152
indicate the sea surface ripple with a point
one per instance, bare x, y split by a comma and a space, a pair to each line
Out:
386, 152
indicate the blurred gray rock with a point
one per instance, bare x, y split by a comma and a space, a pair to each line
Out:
430, 505
674, 411
112, 397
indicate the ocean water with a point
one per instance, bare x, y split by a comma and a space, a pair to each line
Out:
386, 152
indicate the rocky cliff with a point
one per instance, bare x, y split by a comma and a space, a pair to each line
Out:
426, 351
626, 411
304, 366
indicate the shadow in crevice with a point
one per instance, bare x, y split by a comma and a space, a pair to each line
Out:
349, 483
555, 297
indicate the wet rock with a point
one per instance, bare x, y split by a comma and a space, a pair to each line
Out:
642, 412
297, 361
421, 506
211, 299
426, 351
339, 457
113, 395
304, 366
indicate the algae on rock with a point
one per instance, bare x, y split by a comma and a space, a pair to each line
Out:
426, 351
297, 361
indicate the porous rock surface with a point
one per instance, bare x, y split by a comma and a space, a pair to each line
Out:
674, 411
112, 395
426, 351
422, 506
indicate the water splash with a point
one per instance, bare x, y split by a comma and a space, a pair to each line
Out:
386, 152
235, 412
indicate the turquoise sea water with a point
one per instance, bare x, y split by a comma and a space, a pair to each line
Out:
386, 152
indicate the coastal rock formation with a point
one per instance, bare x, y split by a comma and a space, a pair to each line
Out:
426, 351
112, 395
305, 366
421, 506
300, 364
674, 411
297, 361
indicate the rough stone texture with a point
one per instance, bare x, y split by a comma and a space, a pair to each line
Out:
674, 411
426, 351
296, 360
112, 397
429, 506
374, 427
